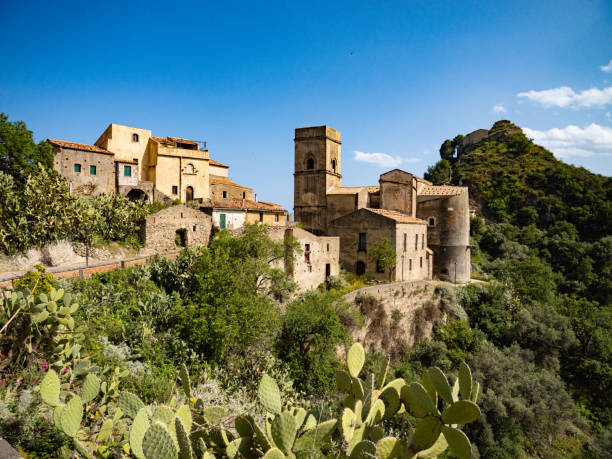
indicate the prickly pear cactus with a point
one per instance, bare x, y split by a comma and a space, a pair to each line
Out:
158, 443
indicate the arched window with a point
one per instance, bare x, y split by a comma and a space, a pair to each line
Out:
189, 169
310, 163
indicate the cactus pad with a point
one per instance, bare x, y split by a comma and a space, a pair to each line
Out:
458, 442
389, 448
71, 416
343, 381
185, 381
362, 450
138, 430
422, 398
283, 430
130, 404
314, 437
163, 413
274, 453
50, 388
355, 358
440, 383
465, 381
462, 412
158, 443
91, 388
348, 423
392, 401
426, 433
182, 438
269, 395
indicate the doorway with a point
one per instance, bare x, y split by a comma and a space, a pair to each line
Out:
360, 268
181, 237
189, 194
222, 221
327, 270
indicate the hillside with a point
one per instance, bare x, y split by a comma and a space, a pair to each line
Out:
513, 180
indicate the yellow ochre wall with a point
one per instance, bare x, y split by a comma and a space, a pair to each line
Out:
170, 171
269, 218
118, 139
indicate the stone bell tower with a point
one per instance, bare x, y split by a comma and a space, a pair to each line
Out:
317, 170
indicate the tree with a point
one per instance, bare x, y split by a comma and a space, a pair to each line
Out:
440, 173
310, 331
19, 154
384, 255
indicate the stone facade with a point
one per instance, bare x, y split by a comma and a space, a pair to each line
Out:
162, 229
321, 204
89, 169
360, 230
222, 189
319, 257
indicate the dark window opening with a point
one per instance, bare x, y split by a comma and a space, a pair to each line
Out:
134, 137
334, 165
421, 262
307, 253
77, 168
194, 227
310, 163
276, 218
327, 270
127, 171
422, 241
416, 242
328, 247
261, 217
181, 237
174, 189
224, 194
243, 195
432, 221
92, 170
360, 268
410, 265
405, 240
444, 271
362, 242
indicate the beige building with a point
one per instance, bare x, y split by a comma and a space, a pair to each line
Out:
142, 166
234, 213
320, 201
360, 230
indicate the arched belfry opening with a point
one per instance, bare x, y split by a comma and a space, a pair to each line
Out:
310, 163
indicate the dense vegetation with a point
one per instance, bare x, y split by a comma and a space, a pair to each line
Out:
36, 206
537, 335
543, 237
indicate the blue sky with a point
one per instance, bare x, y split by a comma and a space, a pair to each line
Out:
396, 78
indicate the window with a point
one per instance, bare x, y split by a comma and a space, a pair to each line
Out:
421, 262
222, 221
92, 170
422, 241
127, 171
307, 253
432, 221
334, 165
310, 163
224, 194
174, 189
416, 242
243, 195
362, 242
194, 227
276, 218
134, 137
410, 265
380, 267
405, 237
328, 247
261, 217
77, 168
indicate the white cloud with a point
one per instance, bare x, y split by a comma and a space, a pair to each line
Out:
574, 141
382, 159
608, 115
567, 97
499, 108
607, 68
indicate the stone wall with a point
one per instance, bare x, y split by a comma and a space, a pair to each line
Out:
160, 229
232, 190
319, 258
103, 181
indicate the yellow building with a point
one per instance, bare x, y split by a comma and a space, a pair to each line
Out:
143, 166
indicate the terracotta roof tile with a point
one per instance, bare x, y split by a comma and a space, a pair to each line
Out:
212, 162
247, 204
78, 146
179, 140
442, 190
227, 182
397, 216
